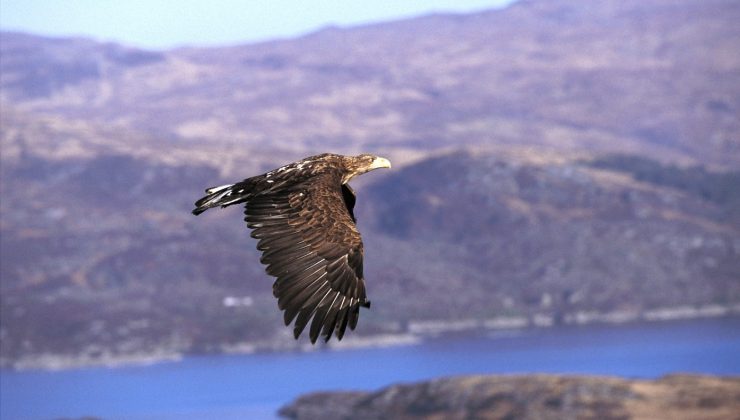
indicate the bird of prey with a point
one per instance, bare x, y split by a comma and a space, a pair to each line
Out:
302, 215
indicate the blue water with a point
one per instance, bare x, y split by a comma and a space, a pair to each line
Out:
254, 386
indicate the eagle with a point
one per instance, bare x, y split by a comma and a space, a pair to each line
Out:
302, 216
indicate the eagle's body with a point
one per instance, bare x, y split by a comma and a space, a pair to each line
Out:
302, 214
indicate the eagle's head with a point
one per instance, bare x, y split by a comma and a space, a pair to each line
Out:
358, 165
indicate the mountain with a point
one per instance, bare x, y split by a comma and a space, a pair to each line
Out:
656, 78
530, 397
526, 235
559, 162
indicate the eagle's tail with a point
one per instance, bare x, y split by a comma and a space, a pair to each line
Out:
224, 195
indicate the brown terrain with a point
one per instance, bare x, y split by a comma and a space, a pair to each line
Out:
559, 162
675, 397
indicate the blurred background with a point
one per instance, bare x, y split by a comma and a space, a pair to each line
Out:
565, 199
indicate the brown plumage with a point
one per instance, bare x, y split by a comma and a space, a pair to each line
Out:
302, 215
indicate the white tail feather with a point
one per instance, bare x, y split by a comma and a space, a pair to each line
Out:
214, 190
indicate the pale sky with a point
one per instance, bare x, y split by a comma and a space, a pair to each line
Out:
165, 24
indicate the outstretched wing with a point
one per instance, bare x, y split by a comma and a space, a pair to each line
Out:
310, 243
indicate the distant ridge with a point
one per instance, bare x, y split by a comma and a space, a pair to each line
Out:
647, 77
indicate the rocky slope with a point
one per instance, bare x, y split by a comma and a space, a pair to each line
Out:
657, 78
531, 397
515, 241
525, 235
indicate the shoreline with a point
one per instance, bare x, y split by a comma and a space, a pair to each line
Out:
416, 333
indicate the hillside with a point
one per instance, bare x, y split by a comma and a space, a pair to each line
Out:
506, 235
555, 162
655, 78
531, 397
515, 242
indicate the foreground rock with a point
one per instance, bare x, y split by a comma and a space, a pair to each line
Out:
531, 397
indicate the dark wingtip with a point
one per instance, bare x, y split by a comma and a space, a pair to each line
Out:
365, 304
199, 208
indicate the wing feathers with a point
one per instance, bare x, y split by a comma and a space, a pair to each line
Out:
286, 252
343, 317
321, 314
354, 314
330, 323
302, 290
310, 244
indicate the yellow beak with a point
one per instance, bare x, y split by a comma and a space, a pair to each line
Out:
380, 162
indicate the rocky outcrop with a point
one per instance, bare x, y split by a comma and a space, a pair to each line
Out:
531, 397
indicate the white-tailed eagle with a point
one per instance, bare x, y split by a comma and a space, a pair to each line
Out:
302, 215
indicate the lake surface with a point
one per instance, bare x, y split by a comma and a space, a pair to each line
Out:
255, 386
